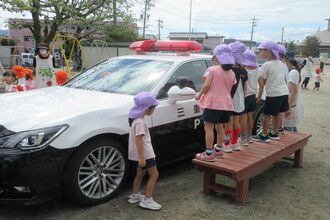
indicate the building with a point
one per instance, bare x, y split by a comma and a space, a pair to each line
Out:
208, 42
324, 37
252, 45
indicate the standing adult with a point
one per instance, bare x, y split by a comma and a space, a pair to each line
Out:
44, 65
307, 71
322, 60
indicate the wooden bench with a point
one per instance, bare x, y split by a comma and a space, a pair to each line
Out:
241, 165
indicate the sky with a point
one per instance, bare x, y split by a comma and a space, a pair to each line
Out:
233, 18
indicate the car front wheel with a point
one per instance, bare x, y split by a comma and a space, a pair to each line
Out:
96, 172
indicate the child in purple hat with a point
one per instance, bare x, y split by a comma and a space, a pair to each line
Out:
250, 102
141, 151
216, 101
276, 89
233, 128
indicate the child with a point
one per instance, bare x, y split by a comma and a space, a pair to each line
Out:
254, 78
317, 80
295, 114
216, 101
307, 71
29, 84
141, 151
11, 80
233, 128
61, 77
44, 64
20, 75
276, 90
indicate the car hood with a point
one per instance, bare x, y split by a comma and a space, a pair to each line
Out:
25, 110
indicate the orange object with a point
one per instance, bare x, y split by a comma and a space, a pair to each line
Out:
28, 72
20, 88
18, 70
61, 77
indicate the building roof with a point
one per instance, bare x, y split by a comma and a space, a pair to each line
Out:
186, 35
324, 37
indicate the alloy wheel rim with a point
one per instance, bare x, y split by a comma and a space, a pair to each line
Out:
101, 172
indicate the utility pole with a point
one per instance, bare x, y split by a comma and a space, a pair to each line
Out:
160, 25
254, 23
190, 19
144, 19
282, 35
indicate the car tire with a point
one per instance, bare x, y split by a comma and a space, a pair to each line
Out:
95, 172
258, 119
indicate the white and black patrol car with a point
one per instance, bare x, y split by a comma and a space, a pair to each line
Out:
72, 140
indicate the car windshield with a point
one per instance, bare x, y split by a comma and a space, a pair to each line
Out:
118, 75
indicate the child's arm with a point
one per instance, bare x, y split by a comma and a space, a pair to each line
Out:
139, 146
204, 89
261, 84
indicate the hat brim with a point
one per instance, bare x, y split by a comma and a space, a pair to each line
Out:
42, 47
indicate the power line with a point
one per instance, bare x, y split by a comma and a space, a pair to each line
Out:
254, 23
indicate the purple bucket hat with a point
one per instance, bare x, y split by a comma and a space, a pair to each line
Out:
143, 101
224, 55
238, 48
281, 49
250, 58
271, 45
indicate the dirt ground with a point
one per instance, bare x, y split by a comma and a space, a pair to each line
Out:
279, 192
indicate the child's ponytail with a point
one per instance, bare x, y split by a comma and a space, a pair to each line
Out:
226, 67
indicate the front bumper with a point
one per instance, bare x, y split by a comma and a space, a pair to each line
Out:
30, 177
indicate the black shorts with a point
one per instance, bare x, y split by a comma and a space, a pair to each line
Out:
236, 113
215, 116
250, 103
276, 105
317, 84
149, 163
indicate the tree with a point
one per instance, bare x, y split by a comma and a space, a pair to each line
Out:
291, 45
49, 15
311, 46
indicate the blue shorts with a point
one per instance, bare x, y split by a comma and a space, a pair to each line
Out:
149, 163
317, 84
250, 103
215, 116
276, 105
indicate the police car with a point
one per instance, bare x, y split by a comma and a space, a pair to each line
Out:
72, 140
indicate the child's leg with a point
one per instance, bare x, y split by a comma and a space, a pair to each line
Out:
153, 176
277, 122
228, 130
236, 129
220, 134
244, 123
209, 135
138, 180
265, 125
250, 122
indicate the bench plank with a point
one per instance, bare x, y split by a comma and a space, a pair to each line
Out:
241, 165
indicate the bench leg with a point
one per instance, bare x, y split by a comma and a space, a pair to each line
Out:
242, 191
209, 180
298, 157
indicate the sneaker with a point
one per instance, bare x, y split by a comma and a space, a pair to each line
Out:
217, 154
244, 142
280, 130
236, 146
261, 138
135, 198
250, 139
203, 156
274, 136
150, 204
227, 148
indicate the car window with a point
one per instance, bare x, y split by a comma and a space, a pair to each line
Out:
25, 56
193, 70
118, 75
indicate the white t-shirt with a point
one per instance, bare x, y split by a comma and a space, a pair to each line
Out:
139, 127
296, 110
275, 82
252, 82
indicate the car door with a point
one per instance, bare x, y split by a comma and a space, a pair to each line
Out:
177, 130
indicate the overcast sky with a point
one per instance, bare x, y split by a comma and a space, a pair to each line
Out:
232, 18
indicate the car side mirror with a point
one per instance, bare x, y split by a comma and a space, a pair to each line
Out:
175, 93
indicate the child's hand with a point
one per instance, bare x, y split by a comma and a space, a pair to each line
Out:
197, 96
287, 113
142, 163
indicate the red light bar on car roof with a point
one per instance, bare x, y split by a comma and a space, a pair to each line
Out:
165, 45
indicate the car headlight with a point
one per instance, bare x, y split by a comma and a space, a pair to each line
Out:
32, 139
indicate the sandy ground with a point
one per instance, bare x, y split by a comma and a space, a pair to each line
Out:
279, 192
